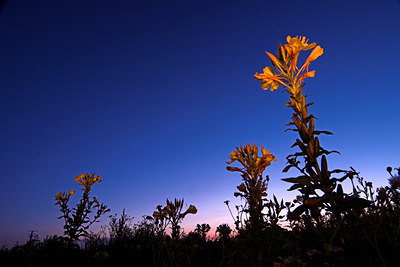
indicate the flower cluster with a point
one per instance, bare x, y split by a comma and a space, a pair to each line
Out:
248, 156
88, 179
77, 221
172, 214
285, 63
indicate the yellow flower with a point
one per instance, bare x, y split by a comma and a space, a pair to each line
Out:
294, 46
233, 157
59, 196
308, 74
268, 79
316, 53
267, 155
275, 62
192, 209
97, 179
248, 156
79, 177
71, 192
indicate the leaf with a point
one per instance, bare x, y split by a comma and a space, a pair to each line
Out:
301, 145
313, 201
322, 132
309, 118
295, 215
303, 180
311, 126
338, 171
297, 122
329, 152
242, 188
309, 104
356, 202
295, 130
324, 170
294, 187
233, 169
287, 168
276, 201
316, 145
339, 190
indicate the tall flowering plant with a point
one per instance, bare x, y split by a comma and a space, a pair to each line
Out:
173, 213
254, 190
318, 188
254, 186
78, 220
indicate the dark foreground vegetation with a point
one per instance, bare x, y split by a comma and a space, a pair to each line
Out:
361, 238
323, 226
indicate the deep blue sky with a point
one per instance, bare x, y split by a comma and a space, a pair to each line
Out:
154, 95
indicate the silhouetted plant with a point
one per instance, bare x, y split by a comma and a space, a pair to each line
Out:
120, 229
202, 230
160, 220
253, 188
273, 215
172, 212
77, 221
224, 231
314, 176
173, 215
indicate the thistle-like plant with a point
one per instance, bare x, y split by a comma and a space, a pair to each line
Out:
78, 220
315, 183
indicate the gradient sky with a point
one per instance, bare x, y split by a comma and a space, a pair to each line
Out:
154, 95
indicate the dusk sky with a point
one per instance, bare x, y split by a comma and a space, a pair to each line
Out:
155, 95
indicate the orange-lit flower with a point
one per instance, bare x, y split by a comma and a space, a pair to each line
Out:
248, 156
316, 53
308, 74
294, 46
268, 79
275, 62
97, 179
192, 209
267, 155
59, 196
79, 177
71, 192
283, 56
